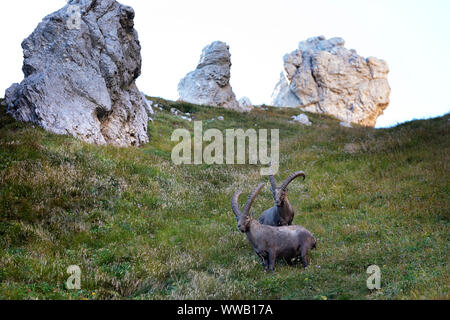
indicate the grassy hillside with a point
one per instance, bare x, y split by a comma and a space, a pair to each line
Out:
141, 228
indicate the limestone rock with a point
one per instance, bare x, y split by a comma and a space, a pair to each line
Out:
282, 95
80, 66
345, 124
209, 84
322, 76
245, 103
184, 116
148, 106
302, 119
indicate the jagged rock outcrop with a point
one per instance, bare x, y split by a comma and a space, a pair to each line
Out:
80, 67
209, 84
245, 103
148, 106
322, 76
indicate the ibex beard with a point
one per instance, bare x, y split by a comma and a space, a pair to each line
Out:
214, 152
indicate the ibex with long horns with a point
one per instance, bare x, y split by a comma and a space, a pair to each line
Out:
282, 213
270, 243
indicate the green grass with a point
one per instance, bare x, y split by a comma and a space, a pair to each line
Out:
141, 228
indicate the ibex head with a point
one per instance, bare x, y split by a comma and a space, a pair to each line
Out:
244, 218
280, 193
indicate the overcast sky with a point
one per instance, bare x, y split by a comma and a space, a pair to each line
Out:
412, 36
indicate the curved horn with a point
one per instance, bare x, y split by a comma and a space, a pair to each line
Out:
273, 184
291, 178
252, 198
235, 204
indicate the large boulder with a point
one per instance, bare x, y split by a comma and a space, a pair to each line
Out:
80, 67
302, 119
322, 76
245, 103
209, 83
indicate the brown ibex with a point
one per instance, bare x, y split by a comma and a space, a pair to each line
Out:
270, 243
282, 213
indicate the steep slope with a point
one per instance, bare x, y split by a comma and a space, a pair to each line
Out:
141, 228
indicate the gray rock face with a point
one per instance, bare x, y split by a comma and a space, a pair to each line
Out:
80, 78
148, 104
302, 118
209, 84
245, 103
324, 77
345, 124
282, 95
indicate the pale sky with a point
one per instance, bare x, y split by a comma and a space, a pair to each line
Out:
411, 35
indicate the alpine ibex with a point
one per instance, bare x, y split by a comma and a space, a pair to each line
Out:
282, 213
270, 243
